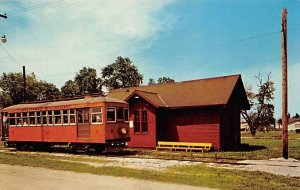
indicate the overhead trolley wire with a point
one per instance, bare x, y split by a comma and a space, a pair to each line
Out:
26, 9
207, 47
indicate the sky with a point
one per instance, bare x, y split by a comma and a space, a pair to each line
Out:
181, 39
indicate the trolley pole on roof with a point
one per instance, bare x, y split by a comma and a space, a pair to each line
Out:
284, 86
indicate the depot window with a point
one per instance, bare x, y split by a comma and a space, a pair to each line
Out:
111, 114
141, 121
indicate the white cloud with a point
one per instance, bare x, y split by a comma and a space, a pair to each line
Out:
66, 36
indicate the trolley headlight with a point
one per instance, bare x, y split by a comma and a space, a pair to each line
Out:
123, 131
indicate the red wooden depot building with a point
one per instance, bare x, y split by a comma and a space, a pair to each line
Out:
204, 111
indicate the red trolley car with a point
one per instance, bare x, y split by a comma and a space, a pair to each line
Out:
90, 122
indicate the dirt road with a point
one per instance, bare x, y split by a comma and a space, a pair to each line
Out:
30, 178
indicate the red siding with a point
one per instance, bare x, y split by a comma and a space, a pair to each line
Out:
190, 125
200, 133
145, 140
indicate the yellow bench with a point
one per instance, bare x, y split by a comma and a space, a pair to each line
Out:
187, 146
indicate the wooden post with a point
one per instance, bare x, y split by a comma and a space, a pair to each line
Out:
284, 86
24, 85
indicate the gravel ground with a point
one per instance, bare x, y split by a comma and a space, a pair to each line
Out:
31, 178
278, 166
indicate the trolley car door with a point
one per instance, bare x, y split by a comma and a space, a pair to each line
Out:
83, 123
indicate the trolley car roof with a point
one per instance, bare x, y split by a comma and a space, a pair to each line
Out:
83, 102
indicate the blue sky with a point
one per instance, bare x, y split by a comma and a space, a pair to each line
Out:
182, 39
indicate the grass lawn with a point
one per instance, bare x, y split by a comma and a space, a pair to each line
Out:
199, 175
263, 146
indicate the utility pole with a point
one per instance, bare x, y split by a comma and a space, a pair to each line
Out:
3, 38
284, 86
3, 16
24, 85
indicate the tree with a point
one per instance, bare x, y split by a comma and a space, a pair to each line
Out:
164, 80
296, 116
161, 80
87, 81
261, 114
279, 121
151, 81
12, 89
120, 74
70, 89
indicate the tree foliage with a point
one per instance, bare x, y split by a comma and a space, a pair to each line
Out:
70, 89
11, 85
164, 80
261, 114
120, 74
161, 80
85, 82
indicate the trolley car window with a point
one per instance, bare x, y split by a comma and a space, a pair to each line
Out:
126, 114
72, 116
12, 119
50, 118
57, 117
19, 119
65, 117
111, 114
44, 113
120, 114
83, 115
24, 119
31, 118
38, 118
97, 115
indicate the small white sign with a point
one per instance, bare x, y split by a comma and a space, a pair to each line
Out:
130, 124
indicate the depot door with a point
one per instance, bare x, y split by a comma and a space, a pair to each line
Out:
83, 124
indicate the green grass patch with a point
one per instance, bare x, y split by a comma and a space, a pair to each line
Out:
271, 134
199, 175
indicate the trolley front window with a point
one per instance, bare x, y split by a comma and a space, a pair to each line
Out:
111, 114
126, 114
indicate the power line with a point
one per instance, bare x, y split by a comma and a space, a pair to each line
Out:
216, 45
203, 48
9, 55
33, 7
